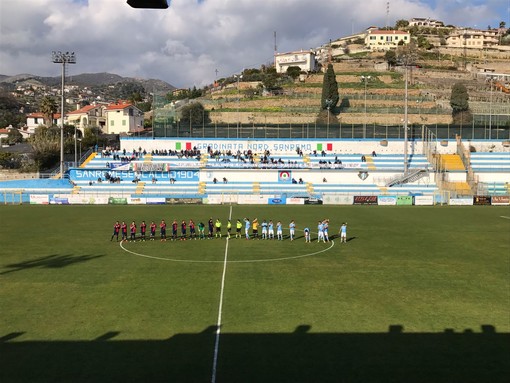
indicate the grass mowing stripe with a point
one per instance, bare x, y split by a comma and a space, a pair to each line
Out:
220, 309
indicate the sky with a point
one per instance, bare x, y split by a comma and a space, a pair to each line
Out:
194, 42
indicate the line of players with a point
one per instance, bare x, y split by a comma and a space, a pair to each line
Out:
214, 230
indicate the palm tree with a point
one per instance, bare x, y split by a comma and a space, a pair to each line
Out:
48, 108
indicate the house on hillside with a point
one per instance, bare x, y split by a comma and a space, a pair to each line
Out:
425, 22
34, 120
88, 116
473, 39
382, 40
123, 117
305, 60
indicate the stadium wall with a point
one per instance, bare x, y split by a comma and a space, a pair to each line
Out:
289, 146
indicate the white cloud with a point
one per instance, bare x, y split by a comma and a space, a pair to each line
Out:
186, 43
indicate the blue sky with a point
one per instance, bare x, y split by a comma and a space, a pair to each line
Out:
185, 44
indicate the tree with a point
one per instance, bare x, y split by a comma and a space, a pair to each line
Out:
401, 24
330, 96
391, 57
459, 101
91, 137
46, 148
10, 110
293, 71
459, 98
48, 108
14, 136
502, 24
194, 114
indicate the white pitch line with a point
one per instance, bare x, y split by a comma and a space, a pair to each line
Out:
220, 310
502, 216
236, 261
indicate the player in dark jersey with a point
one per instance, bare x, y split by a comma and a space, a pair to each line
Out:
132, 230
116, 230
153, 227
123, 230
162, 230
192, 232
143, 230
183, 230
174, 230
211, 228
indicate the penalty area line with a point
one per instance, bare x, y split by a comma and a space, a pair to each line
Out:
503, 216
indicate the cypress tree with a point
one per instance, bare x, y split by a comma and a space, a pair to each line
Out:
329, 89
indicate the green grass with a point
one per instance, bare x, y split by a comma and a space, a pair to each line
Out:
404, 300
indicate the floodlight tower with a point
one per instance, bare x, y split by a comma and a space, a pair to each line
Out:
62, 58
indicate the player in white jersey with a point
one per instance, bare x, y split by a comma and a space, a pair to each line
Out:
247, 225
292, 230
270, 227
279, 234
264, 229
325, 226
306, 230
320, 231
343, 233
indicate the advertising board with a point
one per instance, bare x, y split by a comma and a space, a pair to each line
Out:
460, 201
295, 201
276, 201
386, 200
404, 200
39, 199
332, 199
424, 200
500, 200
365, 200
481, 200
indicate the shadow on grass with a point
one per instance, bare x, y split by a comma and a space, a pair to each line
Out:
54, 261
299, 356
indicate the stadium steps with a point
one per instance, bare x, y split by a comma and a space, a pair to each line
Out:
459, 187
147, 158
202, 187
89, 158
256, 188
412, 176
309, 188
452, 162
370, 163
139, 187
204, 158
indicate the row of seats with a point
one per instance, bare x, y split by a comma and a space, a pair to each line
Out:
490, 162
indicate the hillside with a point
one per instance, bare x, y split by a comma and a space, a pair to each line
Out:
89, 80
429, 92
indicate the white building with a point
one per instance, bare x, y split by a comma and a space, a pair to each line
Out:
123, 117
303, 59
473, 39
88, 116
35, 120
425, 22
380, 40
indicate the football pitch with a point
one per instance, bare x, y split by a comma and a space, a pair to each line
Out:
417, 294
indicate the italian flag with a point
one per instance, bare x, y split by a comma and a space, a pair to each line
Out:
179, 146
328, 146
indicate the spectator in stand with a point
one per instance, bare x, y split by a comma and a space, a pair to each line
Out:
225, 180
374, 154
